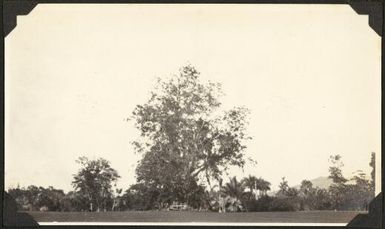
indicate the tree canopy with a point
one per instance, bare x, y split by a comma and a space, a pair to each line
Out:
181, 141
94, 182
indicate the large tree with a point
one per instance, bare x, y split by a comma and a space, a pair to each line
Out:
181, 141
338, 189
94, 181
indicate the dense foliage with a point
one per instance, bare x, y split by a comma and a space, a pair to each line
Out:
35, 198
93, 183
247, 194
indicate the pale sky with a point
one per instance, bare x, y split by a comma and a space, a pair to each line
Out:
310, 74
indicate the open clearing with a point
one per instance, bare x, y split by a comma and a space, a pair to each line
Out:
184, 216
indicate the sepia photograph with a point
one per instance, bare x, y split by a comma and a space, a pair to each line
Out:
192, 114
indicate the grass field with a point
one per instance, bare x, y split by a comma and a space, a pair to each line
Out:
180, 216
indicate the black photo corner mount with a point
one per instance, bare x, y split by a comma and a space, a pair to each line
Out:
13, 218
372, 8
13, 8
374, 217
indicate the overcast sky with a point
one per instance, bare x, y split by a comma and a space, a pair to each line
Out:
310, 75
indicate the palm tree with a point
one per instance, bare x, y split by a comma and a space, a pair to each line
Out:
251, 183
263, 186
234, 188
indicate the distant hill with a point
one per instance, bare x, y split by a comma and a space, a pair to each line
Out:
320, 182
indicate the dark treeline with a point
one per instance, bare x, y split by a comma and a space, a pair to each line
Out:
94, 181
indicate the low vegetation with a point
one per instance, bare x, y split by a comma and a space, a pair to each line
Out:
248, 194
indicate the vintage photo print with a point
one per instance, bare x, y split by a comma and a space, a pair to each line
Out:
192, 114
